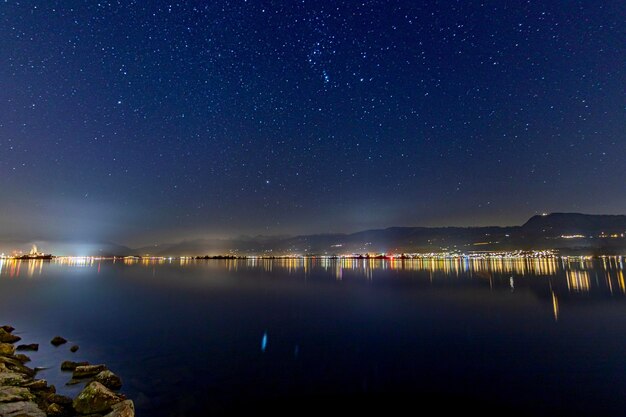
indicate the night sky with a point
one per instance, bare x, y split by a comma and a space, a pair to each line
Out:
148, 121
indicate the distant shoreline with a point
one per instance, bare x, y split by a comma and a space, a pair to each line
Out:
387, 257
562, 234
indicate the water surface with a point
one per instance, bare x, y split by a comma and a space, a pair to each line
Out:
225, 336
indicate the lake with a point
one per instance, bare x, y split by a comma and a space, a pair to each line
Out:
538, 336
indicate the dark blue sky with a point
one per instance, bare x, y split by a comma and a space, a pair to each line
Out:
139, 121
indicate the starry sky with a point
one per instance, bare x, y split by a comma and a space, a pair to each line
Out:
150, 121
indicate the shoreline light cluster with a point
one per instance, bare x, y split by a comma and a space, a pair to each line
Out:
486, 255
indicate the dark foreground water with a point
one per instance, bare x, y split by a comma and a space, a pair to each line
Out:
219, 337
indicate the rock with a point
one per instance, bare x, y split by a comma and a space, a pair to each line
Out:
123, 409
37, 384
74, 381
74, 349
32, 346
14, 365
21, 409
14, 394
58, 340
70, 365
7, 328
95, 398
59, 399
10, 360
13, 379
6, 337
6, 349
109, 380
86, 371
55, 410
40, 395
22, 358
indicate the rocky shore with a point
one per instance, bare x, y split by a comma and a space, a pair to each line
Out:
23, 395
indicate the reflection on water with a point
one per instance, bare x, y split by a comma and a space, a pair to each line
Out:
555, 306
578, 281
13, 268
580, 274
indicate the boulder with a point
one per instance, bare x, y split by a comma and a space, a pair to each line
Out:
55, 410
14, 394
74, 348
7, 349
14, 365
7, 328
58, 340
74, 382
22, 358
36, 385
21, 409
6, 337
13, 379
123, 409
59, 399
95, 398
109, 380
70, 365
86, 371
32, 346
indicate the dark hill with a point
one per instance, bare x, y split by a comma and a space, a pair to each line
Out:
553, 231
575, 223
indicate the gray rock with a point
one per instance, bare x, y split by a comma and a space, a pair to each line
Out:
87, 371
15, 394
74, 349
109, 380
7, 349
7, 328
123, 409
6, 337
32, 346
95, 398
70, 365
21, 409
58, 340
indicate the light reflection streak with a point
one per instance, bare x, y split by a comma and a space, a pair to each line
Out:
574, 269
563, 278
456, 266
578, 281
555, 306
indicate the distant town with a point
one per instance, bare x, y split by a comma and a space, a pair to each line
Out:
542, 236
512, 255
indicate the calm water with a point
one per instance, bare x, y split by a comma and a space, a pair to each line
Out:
225, 336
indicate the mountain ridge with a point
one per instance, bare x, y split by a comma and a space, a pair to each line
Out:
568, 232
